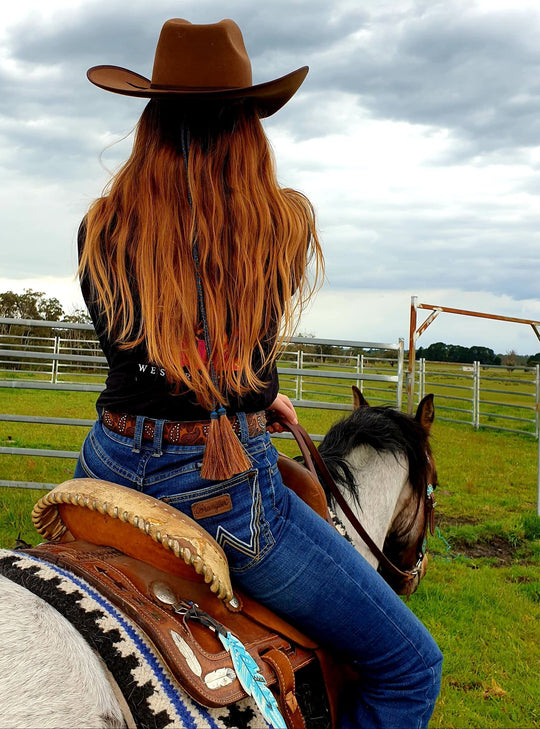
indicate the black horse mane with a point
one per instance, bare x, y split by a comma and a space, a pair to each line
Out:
386, 430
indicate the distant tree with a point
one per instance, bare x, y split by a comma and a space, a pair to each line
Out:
441, 352
534, 359
457, 353
510, 359
30, 305
78, 316
51, 309
484, 355
437, 352
9, 304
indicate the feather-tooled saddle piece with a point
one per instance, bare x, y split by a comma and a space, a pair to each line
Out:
138, 525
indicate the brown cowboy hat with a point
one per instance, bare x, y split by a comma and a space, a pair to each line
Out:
200, 61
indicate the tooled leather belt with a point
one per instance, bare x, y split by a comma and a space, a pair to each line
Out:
182, 432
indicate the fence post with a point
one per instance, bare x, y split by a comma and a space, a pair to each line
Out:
476, 396
297, 382
300, 380
537, 401
478, 392
421, 379
538, 483
412, 355
401, 358
56, 350
537, 367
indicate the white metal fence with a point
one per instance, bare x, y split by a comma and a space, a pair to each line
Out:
488, 396
28, 355
316, 373
314, 378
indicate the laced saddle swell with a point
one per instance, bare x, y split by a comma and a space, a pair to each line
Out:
162, 570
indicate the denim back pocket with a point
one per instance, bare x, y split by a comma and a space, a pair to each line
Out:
108, 459
232, 512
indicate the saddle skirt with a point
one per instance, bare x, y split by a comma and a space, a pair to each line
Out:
154, 563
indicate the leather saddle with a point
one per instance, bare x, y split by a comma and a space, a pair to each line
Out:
167, 574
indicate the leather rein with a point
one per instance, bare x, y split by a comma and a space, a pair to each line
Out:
315, 464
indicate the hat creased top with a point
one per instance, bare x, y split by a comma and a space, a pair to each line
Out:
207, 61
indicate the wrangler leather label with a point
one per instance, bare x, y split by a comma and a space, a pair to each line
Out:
211, 507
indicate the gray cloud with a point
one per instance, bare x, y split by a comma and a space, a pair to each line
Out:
448, 66
438, 64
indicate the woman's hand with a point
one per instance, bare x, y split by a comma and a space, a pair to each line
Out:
284, 407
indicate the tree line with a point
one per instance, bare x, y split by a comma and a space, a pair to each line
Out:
35, 305
441, 352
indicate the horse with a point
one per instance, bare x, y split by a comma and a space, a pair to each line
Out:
53, 674
381, 445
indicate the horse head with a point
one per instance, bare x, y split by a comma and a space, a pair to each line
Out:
405, 543
382, 460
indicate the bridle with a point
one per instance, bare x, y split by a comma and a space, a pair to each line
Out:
404, 582
395, 576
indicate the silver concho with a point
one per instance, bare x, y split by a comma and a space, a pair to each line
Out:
164, 593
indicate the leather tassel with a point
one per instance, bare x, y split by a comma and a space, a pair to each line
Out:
224, 456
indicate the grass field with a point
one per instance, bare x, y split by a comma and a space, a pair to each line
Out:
481, 596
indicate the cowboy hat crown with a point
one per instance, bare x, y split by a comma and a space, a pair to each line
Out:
201, 61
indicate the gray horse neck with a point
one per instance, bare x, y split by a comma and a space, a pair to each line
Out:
383, 488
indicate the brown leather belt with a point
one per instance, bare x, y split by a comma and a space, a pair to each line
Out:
182, 432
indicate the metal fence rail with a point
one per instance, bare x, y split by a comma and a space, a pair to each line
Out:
81, 359
465, 395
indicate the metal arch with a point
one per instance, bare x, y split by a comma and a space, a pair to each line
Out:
417, 331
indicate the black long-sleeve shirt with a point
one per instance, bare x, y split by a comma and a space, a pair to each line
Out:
137, 386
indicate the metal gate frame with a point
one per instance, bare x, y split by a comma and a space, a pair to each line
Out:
416, 331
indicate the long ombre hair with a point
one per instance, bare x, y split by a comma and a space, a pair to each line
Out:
254, 242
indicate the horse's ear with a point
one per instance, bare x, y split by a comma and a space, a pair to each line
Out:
425, 414
359, 401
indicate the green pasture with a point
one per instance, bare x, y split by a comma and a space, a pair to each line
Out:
481, 596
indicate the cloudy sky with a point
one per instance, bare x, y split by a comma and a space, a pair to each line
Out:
416, 135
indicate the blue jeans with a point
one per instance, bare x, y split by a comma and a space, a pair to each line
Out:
287, 557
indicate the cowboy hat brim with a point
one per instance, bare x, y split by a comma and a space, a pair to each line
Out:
268, 97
